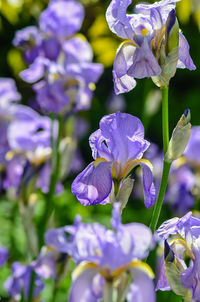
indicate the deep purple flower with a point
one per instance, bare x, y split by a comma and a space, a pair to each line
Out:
147, 38
20, 280
62, 18
182, 241
3, 255
117, 147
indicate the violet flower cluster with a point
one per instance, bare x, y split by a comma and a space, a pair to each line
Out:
60, 60
25, 142
153, 45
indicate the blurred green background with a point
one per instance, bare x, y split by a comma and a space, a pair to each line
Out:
184, 93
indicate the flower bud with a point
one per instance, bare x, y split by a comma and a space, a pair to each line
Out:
169, 53
180, 137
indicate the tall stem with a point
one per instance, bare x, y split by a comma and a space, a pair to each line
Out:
161, 194
166, 165
165, 122
31, 286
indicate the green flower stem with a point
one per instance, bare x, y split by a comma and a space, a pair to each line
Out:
31, 286
165, 122
161, 194
55, 173
166, 165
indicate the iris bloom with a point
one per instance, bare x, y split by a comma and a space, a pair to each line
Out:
149, 39
20, 281
57, 23
182, 242
117, 147
67, 85
107, 257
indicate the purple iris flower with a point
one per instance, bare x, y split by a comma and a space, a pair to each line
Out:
117, 147
62, 18
183, 241
66, 86
20, 280
29, 41
106, 255
146, 34
3, 255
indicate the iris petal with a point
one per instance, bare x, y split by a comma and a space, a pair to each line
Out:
94, 184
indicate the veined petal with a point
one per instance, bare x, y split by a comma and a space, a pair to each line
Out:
81, 288
94, 184
144, 63
99, 149
185, 61
124, 136
124, 58
118, 20
123, 84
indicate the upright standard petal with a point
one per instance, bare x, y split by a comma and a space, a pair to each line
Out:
185, 61
77, 49
124, 135
142, 238
94, 184
117, 19
62, 18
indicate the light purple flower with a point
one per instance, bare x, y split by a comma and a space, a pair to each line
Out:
20, 280
62, 18
146, 33
107, 255
183, 240
117, 147
102, 255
